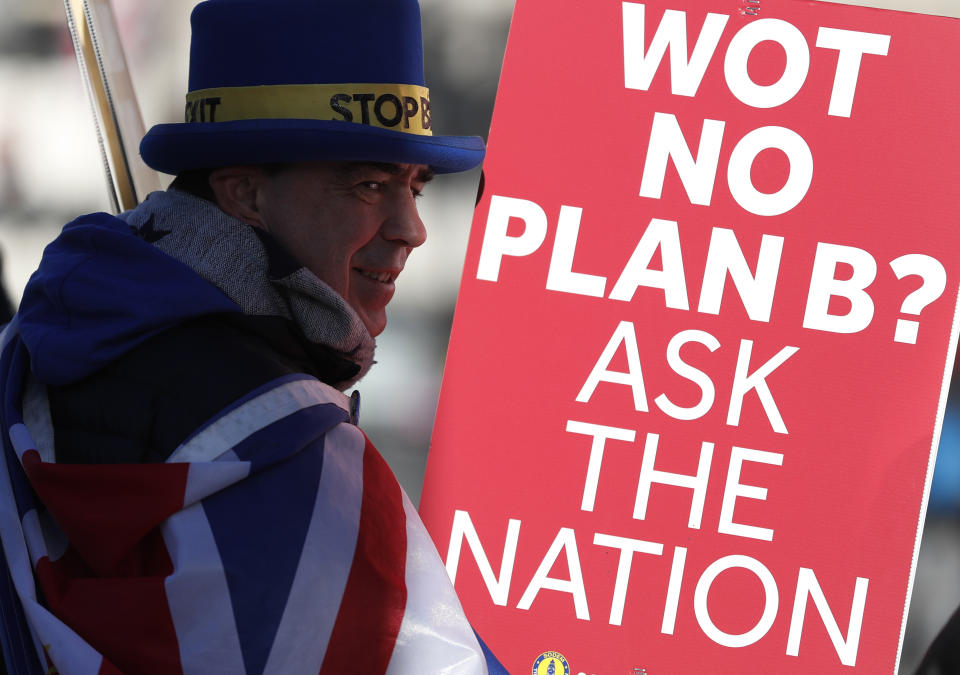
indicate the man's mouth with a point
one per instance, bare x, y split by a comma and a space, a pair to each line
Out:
382, 277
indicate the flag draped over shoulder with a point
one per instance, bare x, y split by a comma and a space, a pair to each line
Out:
274, 540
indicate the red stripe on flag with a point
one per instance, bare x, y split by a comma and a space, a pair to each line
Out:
126, 619
109, 584
107, 668
107, 509
375, 596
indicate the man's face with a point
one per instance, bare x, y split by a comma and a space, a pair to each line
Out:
351, 224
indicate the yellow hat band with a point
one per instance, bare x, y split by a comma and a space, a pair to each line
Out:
400, 107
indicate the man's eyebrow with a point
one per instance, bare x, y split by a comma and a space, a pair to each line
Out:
424, 175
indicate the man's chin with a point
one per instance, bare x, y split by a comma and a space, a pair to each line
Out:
375, 323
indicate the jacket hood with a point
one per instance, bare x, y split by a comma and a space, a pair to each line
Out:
102, 289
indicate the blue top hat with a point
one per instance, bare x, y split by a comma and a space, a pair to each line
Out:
275, 81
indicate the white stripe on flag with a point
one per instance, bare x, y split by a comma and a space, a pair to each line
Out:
206, 478
199, 598
69, 652
435, 636
33, 536
21, 439
36, 415
255, 414
317, 590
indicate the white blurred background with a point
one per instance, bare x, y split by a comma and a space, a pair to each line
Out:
50, 172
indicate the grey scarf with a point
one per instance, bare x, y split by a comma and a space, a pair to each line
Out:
229, 254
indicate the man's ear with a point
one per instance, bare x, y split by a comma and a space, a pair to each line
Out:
236, 190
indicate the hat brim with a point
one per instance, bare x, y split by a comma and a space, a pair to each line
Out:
174, 148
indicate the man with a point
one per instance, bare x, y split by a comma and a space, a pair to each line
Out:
186, 489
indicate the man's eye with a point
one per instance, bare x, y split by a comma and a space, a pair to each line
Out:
371, 185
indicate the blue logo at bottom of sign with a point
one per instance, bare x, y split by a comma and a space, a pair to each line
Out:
551, 663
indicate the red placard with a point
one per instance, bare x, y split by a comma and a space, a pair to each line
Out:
699, 359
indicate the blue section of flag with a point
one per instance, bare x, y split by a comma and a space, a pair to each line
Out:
18, 652
260, 530
494, 667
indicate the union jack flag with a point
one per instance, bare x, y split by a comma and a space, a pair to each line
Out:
274, 540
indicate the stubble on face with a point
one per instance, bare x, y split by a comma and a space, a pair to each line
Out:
352, 224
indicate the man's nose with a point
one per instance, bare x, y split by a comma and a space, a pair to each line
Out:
404, 223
